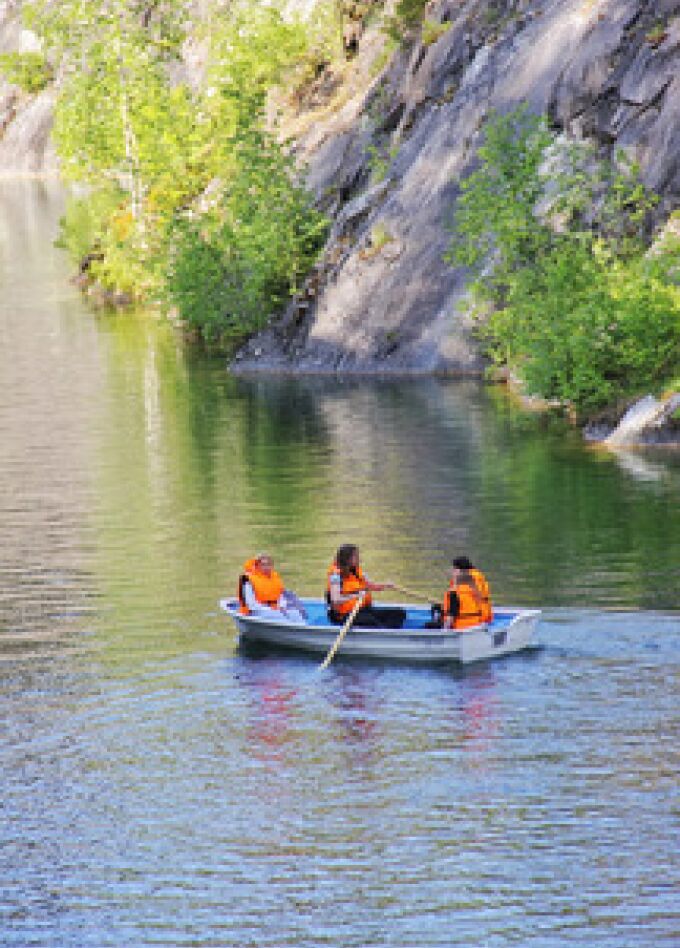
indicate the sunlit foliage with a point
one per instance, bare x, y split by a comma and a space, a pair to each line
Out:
181, 173
572, 301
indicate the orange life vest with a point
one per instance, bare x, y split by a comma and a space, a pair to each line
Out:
485, 593
355, 582
267, 589
470, 610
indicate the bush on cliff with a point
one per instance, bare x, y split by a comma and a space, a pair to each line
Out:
179, 175
241, 257
558, 239
30, 71
406, 17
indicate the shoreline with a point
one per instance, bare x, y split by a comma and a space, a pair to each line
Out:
594, 433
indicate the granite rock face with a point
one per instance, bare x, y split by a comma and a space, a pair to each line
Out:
387, 165
386, 144
25, 120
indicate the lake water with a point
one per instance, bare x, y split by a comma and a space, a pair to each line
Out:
161, 788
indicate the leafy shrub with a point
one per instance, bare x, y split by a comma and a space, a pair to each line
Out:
582, 313
30, 71
235, 264
193, 202
494, 215
432, 30
657, 34
588, 329
86, 220
407, 17
379, 161
380, 237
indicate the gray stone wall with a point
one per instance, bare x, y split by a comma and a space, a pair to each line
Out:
384, 151
382, 299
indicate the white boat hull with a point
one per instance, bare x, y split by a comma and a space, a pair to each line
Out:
511, 631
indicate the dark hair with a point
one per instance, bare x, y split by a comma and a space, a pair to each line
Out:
343, 557
462, 562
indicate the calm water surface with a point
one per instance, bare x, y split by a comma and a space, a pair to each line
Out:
161, 788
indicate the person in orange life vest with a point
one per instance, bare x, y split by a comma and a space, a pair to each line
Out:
261, 591
482, 585
345, 582
467, 602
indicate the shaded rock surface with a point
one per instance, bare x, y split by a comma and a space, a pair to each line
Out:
389, 160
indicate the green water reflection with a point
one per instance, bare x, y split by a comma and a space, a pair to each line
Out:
159, 473
198, 469
160, 787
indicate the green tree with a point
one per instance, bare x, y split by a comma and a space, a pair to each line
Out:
557, 241
116, 101
192, 200
29, 70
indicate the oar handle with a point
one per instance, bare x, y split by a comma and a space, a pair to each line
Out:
343, 632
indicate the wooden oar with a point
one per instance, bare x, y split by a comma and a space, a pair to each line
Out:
343, 632
414, 594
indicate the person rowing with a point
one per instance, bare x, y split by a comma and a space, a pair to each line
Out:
261, 592
346, 582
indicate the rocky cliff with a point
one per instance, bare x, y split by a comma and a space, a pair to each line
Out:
387, 136
385, 150
25, 120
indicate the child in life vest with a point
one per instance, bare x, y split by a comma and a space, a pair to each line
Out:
261, 592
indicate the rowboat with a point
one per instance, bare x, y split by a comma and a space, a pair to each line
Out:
510, 631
